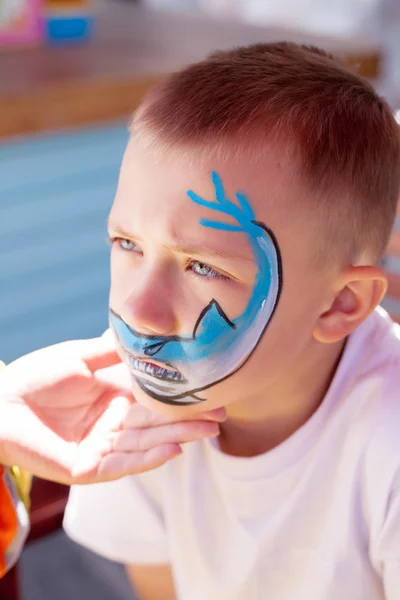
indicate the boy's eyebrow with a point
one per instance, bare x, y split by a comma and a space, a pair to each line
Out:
188, 249
206, 251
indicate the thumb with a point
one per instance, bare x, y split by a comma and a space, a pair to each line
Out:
100, 353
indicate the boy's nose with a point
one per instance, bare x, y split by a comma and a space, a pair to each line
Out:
148, 309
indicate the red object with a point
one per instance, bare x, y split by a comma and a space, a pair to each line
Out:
48, 501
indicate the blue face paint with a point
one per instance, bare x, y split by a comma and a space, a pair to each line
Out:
217, 347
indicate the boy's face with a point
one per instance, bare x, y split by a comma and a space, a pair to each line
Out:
214, 287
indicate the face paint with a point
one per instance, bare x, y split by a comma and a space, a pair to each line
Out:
185, 365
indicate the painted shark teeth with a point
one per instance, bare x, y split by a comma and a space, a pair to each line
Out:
155, 370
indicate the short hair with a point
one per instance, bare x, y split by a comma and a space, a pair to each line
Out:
343, 134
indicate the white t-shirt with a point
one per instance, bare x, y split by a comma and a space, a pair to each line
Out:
316, 518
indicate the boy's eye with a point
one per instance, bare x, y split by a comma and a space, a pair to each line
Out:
203, 270
125, 244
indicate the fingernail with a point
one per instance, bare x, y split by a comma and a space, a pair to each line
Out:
176, 452
218, 414
214, 433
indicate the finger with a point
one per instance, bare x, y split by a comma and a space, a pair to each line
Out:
110, 420
120, 464
140, 417
137, 440
99, 353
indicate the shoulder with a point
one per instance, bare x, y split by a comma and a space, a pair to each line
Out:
93, 499
371, 385
122, 519
380, 473
380, 340
144, 491
383, 346
374, 358
378, 385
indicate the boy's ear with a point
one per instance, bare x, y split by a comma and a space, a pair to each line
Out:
361, 290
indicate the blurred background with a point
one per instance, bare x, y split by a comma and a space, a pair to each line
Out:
71, 72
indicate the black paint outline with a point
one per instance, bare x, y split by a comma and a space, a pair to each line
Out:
170, 399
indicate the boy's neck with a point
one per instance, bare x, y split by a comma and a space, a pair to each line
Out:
258, 425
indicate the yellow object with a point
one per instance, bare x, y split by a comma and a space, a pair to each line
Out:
22, 479
23, 483
15, 485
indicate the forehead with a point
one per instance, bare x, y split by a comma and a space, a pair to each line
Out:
152, 189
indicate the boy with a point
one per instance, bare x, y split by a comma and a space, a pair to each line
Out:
256, 196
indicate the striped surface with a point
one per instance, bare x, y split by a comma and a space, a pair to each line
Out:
55, 193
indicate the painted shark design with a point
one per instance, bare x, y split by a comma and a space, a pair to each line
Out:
184, 366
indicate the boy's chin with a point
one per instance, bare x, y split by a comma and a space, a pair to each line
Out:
167, 407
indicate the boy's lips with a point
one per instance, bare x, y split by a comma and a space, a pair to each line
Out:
155, 369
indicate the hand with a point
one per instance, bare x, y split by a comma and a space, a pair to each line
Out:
67, 414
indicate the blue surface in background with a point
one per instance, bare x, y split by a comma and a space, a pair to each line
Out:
55, 194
